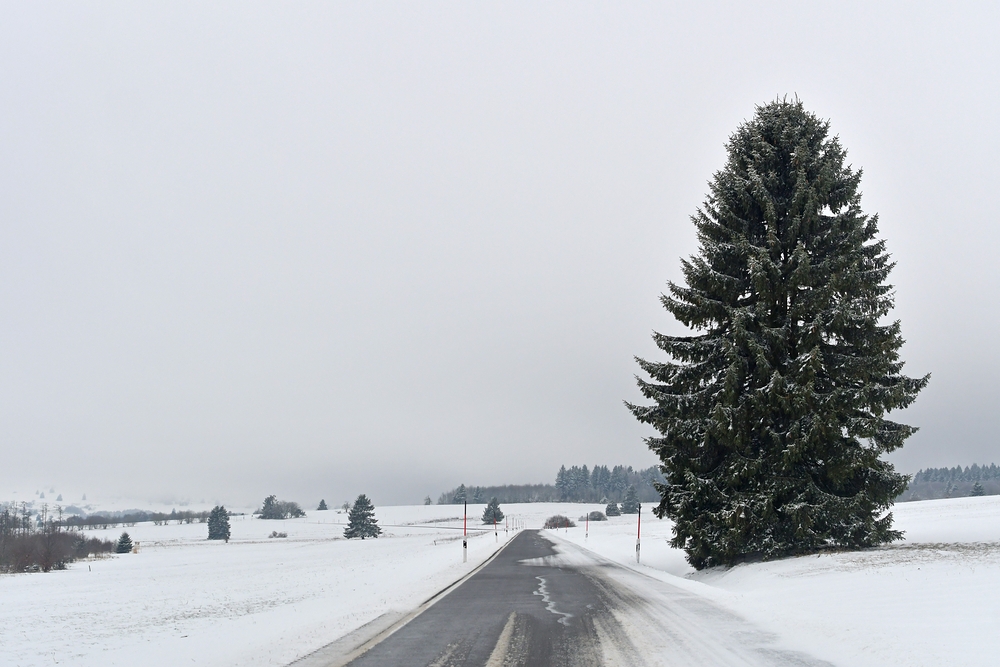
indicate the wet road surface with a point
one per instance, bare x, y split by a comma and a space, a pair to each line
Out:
509, 612
535, 605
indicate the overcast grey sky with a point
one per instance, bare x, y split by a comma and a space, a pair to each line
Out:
318, 249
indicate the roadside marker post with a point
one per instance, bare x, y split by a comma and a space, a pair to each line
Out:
586, 533
638, 528
465, 534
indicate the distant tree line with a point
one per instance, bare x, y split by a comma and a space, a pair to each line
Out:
957, 482
574, 484
105, 520
507, 493
603, 484
41, 544
973, 473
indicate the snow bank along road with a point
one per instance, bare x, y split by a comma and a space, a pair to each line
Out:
537, 605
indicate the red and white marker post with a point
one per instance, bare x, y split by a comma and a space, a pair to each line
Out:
465, 534
638, 529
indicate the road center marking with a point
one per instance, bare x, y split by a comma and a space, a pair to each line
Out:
549, 603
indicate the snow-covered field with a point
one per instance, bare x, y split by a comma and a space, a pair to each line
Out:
932, 600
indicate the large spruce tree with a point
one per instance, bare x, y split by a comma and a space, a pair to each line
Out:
361, 521
772, 415
218, 524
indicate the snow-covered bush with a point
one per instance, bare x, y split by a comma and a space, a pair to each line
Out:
559, 521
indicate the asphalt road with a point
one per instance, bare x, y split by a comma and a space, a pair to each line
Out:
536, 606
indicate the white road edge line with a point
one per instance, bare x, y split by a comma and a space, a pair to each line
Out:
309, 659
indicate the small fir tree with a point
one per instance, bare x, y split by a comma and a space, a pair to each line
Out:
977, 490
612, 509
630, 503
280, 509
218, 524
124, 544
460, 494
772, 414
361, 520
322, 506
427, 500
270, 508
492, 512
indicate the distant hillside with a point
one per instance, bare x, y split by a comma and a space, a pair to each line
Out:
574, 484
954, 482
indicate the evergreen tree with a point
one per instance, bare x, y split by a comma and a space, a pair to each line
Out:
280, 509
977, 490
218, 524
492, 512
619, 481
322, 506
270, 509
460, 495
630, 504
599, 479
427, 500
562, 483
612, 509
124, 545
772, 414
361, 521
477, 497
